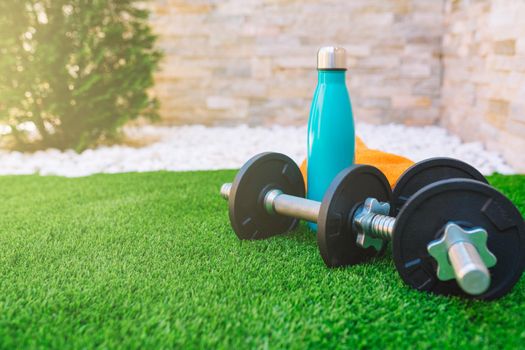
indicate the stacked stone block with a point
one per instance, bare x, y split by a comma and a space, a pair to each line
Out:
483, 92
253, 61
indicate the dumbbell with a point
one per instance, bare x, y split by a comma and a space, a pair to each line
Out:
265, 199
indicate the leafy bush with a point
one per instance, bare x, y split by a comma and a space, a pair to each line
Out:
72, 72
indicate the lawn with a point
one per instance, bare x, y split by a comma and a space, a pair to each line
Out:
149, 261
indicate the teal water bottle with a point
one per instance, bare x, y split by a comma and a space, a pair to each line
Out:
331, 133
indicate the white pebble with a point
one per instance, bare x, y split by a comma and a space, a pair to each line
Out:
203, 148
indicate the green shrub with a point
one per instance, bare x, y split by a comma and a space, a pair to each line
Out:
74, 70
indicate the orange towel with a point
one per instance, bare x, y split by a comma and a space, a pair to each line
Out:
390, 164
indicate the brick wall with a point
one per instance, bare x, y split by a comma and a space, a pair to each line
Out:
483, 92
253, 61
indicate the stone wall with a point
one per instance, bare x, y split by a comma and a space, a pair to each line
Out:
460, 63
253, 61
483, 92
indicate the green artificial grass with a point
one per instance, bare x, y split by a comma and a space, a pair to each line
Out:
149, 261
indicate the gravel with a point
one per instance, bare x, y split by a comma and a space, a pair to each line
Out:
202, 148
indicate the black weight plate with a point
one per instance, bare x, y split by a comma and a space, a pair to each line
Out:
260, 174
335, 234
470, 204
429, 171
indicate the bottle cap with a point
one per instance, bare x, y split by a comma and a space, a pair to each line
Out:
331, 57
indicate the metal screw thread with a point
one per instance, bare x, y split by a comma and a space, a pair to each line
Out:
380, 226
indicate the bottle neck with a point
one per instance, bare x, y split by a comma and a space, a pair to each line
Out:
331, 76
